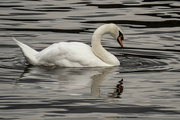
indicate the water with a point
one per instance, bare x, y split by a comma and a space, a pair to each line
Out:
150, 61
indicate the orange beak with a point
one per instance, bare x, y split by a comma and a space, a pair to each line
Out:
120, 41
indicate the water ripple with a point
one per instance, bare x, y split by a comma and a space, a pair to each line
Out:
147, 79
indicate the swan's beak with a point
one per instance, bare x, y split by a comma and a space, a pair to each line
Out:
120, 41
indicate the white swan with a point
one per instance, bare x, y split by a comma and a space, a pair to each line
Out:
76, 54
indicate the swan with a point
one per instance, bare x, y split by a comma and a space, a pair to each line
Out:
76, 54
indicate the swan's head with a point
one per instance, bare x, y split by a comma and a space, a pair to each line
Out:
116, 33
111, 29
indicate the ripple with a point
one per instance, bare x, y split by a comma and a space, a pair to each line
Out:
46, 30
150, 60
146, 24
47, 9
128, 5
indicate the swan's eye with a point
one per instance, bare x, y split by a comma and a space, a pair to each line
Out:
121, 35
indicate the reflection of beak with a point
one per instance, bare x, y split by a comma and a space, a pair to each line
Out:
120, 41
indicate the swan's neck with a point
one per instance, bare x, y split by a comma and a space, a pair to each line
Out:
98, 49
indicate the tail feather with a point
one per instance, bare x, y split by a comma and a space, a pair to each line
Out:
28, 52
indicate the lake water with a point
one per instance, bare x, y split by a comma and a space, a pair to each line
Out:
150, 61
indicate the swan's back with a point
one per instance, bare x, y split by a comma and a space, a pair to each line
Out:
69, 54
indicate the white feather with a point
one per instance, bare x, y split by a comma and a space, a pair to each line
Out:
74, 54
28, 52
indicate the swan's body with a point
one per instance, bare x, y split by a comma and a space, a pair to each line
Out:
75, 54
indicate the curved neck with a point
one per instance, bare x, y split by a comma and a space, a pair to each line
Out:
98, 49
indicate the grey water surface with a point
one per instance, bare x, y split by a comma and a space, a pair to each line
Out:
145, 86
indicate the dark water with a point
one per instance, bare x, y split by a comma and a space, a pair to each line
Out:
150, 61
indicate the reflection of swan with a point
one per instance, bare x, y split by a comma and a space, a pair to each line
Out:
69, 80
99, 78
118, 91
76, 54
64, 78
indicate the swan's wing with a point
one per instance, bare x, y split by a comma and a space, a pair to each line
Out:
72, 54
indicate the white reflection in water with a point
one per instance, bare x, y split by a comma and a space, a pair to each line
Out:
69, 79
